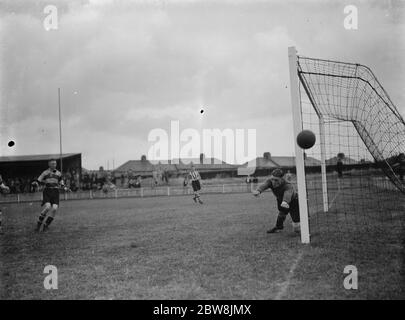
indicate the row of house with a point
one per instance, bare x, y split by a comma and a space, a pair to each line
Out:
33, 165
211, 167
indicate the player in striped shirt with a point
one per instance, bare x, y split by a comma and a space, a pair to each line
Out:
195, 183
52, 179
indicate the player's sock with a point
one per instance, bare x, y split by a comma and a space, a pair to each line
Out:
280, 221
48, 221
41, 219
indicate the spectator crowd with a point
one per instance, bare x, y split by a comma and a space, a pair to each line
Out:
89, 180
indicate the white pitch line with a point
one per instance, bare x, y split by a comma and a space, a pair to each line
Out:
286, 283
334, 198
337, 193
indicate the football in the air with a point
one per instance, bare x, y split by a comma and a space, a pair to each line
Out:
306, 139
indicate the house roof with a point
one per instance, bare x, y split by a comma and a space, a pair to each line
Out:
261, 163
345, 160
208, 163
265, 163
284, 161
290, 161
281, 161
175, 165
136, 165
37, 157
312, 162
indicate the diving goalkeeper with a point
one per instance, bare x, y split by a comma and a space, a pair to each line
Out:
287, 200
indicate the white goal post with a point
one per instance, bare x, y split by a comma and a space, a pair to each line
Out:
299, 153
360, 143
359, 131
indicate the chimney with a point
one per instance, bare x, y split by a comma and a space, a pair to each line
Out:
143, 158
202, 158
267, 155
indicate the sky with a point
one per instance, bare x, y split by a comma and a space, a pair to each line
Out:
128, 67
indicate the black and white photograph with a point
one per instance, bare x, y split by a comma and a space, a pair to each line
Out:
219, 152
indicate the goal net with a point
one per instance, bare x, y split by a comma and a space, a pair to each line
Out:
353, 178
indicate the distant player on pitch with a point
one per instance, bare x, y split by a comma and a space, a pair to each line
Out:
52, 179
4, 189
195, 183
287, 200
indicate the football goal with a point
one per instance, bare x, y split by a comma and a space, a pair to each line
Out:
353, 177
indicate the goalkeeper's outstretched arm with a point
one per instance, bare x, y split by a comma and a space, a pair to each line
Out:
264, 186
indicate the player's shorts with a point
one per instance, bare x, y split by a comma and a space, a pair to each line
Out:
50, 195
196, 185
294, 209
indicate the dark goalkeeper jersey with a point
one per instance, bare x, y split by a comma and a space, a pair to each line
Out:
285, 192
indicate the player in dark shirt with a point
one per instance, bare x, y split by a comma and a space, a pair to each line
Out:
287, 200
339, 168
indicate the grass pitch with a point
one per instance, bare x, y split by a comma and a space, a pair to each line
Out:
172, 248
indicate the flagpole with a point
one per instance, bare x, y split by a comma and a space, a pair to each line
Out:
60, 133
